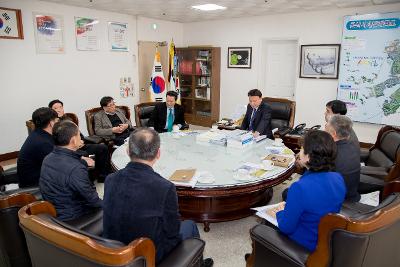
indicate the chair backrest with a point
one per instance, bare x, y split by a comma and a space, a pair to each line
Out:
366, 240
143, 113
14, 251
54, 243
89, 115
31, 126
386, 151
283, 111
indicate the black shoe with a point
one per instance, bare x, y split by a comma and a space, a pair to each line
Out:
246, 256
207, 262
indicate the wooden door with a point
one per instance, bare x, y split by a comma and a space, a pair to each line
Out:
147, 50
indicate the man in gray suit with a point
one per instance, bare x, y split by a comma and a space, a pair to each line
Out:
111, 122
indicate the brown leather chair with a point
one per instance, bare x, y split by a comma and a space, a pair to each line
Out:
143, 113
382, 161
54, 243
366, 239
89, 115
283, 112
30, 126
13, 249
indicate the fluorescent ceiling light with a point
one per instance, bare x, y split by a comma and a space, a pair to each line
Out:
208, 7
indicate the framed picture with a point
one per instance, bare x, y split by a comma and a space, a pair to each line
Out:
49, 33
320, 61
86, 32
239, 57
11, 23
118, 36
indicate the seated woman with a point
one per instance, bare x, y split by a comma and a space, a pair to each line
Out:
318, 192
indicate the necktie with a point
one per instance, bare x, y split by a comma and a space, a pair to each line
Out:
170, 120
251, 120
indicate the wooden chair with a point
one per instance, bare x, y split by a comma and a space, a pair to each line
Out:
143, 113
283, 112
14, 251
54, 243
366, 240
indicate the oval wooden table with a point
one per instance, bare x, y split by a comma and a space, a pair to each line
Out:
228, 198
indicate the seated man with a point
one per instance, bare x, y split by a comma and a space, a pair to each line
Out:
138, 202
64, 179
100, 151
36, 147
258, 115
111, 122
347, 156
167, 114
339, 107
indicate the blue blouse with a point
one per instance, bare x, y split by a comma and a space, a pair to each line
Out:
309, 199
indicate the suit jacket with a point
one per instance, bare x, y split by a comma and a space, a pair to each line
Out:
261, 120
348, 165
139, 202
103, 126
159, 117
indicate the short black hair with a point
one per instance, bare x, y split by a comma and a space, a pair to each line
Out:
144, 144
55, 101
321, 150
173, 93
42, 117
104, 101
63, 131
254, 92
337, 107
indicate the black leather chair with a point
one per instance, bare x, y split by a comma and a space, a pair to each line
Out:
13, 249
382, 161
143, 113
283, 112
366, 239
8, 176
54, 243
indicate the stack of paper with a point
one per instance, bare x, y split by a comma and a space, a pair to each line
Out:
207, 136
239, 139
269, 212
185, 177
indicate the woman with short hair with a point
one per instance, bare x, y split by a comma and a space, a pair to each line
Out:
318, 192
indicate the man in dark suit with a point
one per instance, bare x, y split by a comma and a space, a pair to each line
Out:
258, 115
36, 147
138, 202
167, 114
347, 156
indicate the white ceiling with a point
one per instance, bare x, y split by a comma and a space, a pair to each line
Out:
181, 11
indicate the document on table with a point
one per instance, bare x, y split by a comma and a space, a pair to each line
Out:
269, 212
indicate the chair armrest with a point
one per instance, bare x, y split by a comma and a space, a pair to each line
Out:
378, 172
93, 139
364, 154
35, 191
187, 254
275, 249
9, 176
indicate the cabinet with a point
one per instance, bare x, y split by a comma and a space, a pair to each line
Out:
199, 77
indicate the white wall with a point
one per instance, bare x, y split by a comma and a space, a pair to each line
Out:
308, 28
79, 78
165, 31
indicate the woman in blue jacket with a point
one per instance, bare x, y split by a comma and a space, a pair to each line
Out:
318, 192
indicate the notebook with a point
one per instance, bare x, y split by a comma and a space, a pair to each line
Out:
183, 175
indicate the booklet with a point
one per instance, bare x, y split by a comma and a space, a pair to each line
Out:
269, 212
280, 160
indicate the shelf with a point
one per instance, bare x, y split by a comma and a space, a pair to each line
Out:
202, 99
187, 98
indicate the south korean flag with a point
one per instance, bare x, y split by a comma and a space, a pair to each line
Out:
8, 23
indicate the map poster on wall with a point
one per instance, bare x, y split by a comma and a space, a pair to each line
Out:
49, 33
86, 34
369, 78
118, 36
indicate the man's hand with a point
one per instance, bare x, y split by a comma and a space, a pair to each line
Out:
89, 161
256, 134
123, 127
116, 129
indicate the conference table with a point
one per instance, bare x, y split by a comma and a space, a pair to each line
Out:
221, 193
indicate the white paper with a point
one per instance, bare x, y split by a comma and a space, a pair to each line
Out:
261, 212
371, 199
